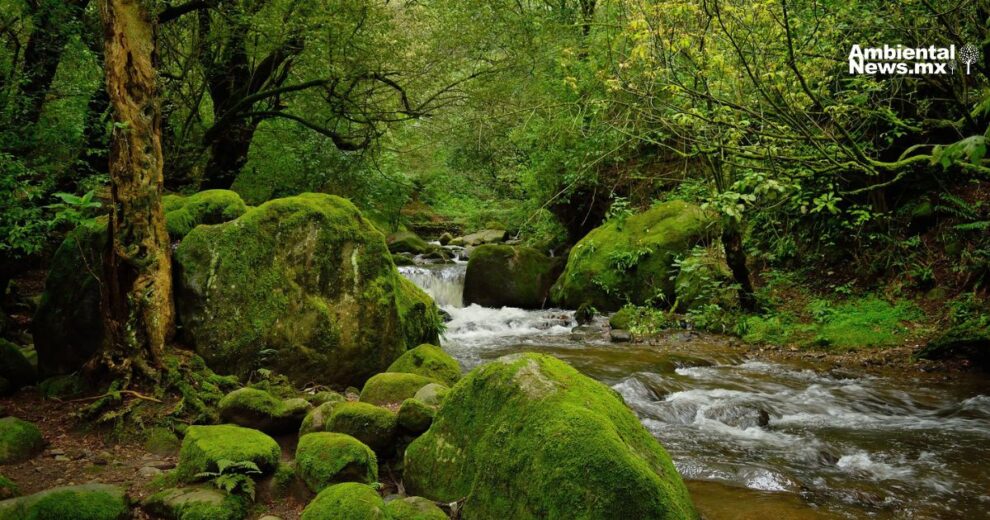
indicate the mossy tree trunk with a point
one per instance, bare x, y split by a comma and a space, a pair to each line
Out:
138, 311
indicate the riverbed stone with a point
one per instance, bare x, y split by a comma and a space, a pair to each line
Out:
317, 418
82, 502
370, 424
528, 436
327, 458
258, 409
407, 242
204, 446
432, 394
415, 416
430, 361
347, 501
19, 440
485, 236
414, 508
632, 259
393, 387
303, 285
509, 276
195, 503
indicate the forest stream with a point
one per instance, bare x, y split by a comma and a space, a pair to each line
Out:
758, 439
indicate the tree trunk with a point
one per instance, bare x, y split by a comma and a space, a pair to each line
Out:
228, 154
735, 256
138, 311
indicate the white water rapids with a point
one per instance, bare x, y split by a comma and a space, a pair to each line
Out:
848, 444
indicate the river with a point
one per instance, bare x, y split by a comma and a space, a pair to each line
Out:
758, 439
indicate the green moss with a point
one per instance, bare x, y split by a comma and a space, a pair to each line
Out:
83, 502
348, 501
8, 488
703, 278
258, 409
205, 445
161, 441
430, 361
19, 440
419, 315
393, 387
641, 320
196, 503
14, 367
631, 259
527, 436
415, 416
509, 276
432, 394
326, 458
370, 424
407, 242
182, 214
67, 326
325, 396
414, 508
855, 323
303, 286
285, 475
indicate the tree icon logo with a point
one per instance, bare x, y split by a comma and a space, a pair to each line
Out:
968, 54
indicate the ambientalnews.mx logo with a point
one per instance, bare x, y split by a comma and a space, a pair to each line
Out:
911, 60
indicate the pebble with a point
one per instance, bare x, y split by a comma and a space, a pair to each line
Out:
149, 471
62, 458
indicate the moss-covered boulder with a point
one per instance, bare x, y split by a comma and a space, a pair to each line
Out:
432, 394
204, 446
528, 436
509, 276
631, 259
415, 416
703, 277
414, 508
325, 396
430, 361
347, 501
19, 440
195, 503
83, 502
407, 242
370, 424
14, 367
183, 213
303, 285
393, 387
317, 418
67, 327
254, 408
326, 458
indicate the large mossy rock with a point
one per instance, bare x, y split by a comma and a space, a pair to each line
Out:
347, 501
82, 502
509, 276
258, 409
527, 436
303, 285
195, 503
370, 424
183, 213
430, 361
15, 368
19, 440
414, 508
485, 236
407, 242
204, 446
631, 260
327, 458
393, 387
67, 327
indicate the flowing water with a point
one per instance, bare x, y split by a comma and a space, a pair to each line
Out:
756, 439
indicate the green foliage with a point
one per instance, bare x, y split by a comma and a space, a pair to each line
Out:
231, 477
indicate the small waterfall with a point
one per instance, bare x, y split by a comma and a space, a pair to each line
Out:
443, 282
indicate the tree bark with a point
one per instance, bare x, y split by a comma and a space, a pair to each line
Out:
138, 310
735, 257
